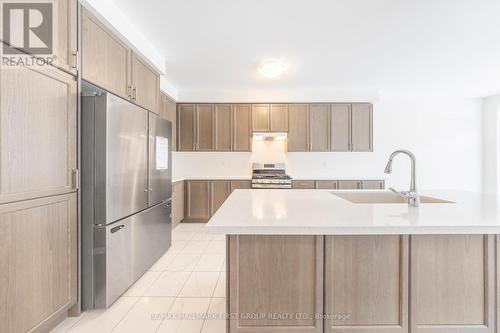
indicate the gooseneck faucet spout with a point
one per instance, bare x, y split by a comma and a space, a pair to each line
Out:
412, 195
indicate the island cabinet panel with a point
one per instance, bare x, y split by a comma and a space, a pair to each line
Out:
197, 201
240, 184
219, 192
186, 127
275, 274
298, 128
319, 127
38, 262
105, 58
242, 127
260, 117
452, 284
278, 118
366, 284
223, 114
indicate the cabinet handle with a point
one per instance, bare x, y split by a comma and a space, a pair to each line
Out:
116, 229
76, 179
75, 63
129, 92
134, 93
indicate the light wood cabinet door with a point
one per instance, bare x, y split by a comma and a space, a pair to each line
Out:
67, 27
319, 127
260, 270
341, 127
240, 184
145, 84
452, 284
223, 114
350, 184
177, 203
105, 59
204, 127
219, 192
197, 201
366, 281
327, 184
38, 262
373, 184
186, 115
298, 127
303, 184
361, 127
242, 131
278, 118
260, 117
38, 147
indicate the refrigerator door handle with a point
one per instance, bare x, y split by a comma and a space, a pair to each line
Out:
117, 228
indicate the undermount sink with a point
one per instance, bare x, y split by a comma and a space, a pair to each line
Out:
383, 198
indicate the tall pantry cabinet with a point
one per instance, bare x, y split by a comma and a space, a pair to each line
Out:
38, 185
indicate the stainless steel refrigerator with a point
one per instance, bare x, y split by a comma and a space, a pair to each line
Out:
126, 194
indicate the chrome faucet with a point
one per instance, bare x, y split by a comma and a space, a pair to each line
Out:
411, 195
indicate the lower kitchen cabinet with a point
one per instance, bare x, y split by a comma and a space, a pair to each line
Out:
219, 192
240, 185
197, 196
452, 284
303, 184
260, 271
366, 284
38, 265
177, 203
327, 184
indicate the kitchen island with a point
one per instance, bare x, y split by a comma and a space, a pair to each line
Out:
345, 261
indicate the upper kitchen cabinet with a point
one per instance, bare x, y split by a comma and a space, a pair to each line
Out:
260, 117
195, 127
242, 131
168, 112
298, 127
105, 59
38, 147
341, 127
270, 118
319, 127
145, 84
223, 127
186, 127
67, 45
351, 126
361, 127
278, 118
204, 127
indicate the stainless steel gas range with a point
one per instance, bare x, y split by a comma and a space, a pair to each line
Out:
270, 175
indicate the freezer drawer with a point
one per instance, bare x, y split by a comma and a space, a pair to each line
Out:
125, 250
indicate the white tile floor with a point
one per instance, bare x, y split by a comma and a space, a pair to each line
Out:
183, 292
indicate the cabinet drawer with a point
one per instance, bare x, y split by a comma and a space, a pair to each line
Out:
327, 184
303, 184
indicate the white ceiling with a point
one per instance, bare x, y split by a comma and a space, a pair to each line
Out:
334, 49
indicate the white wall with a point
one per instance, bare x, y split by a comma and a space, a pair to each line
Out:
445, 135
491, 144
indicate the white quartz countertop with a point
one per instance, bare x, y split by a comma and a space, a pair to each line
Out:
320, 212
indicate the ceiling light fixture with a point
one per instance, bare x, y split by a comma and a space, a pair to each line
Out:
272, 68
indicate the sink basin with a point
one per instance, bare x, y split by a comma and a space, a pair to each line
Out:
386, 197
